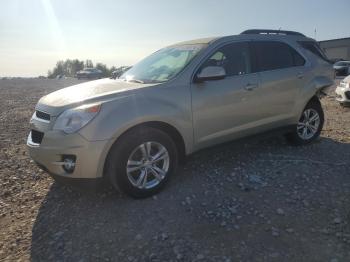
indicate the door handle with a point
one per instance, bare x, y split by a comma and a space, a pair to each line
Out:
300, 75
250, 87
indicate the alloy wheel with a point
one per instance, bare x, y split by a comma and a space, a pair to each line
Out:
148, 165
308, 124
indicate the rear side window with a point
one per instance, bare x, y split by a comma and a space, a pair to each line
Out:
314, 48
276, 55
297, 58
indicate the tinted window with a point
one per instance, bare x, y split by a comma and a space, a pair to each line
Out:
314, 48
273, 55
297, 58
234, 58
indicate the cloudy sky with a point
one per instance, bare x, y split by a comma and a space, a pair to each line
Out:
34, 34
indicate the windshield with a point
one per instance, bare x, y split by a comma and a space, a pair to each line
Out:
162, 65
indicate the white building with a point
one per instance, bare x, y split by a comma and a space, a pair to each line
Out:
337, 48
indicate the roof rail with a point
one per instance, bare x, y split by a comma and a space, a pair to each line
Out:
270, 32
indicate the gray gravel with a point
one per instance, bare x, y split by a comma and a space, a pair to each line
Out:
256, 199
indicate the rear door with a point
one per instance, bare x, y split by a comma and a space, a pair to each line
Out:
281, 71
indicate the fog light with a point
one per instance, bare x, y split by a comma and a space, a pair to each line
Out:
69, 163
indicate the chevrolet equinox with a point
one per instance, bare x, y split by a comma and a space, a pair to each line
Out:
133, 131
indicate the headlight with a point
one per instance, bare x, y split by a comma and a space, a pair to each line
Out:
73, 119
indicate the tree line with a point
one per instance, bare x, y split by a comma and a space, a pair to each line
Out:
70, 67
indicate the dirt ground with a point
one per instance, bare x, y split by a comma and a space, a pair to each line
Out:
250, 200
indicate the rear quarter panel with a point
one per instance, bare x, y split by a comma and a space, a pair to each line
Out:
319, 79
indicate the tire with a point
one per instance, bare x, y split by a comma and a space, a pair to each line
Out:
313, 128
128, 168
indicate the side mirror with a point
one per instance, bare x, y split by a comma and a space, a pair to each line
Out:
211, 73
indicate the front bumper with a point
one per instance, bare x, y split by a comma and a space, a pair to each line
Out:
90, 156
342, 94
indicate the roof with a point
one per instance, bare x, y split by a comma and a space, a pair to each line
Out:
240, 37
259, 34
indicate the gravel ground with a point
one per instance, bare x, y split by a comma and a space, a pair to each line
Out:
251, 200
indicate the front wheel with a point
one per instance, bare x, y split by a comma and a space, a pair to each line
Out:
309, 125
141, 162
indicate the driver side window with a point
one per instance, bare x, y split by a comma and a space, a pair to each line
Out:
234, 58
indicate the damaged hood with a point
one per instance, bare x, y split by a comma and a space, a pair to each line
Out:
56, 102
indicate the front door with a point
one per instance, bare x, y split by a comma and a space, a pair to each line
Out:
222, 108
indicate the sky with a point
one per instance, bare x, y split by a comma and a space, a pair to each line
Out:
35, 34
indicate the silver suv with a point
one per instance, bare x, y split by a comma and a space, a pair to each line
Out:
133, 131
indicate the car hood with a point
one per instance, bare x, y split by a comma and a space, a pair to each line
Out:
54, 103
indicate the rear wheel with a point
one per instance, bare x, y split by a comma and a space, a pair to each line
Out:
141, 162
309, 125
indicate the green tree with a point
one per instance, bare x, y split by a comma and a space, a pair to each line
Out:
58, 70
73, 66
103, 68
88, 63
112, 69
70, 67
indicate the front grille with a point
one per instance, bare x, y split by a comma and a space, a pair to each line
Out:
37, 136
42, 115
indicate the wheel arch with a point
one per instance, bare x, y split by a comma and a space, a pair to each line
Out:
312, 92
293, 136
173, 133
314, 99
162, 126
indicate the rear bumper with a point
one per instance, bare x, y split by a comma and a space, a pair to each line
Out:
89, 156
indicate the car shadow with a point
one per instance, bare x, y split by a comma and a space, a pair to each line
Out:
76, 226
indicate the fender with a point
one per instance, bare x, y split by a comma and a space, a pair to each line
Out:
118, 116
